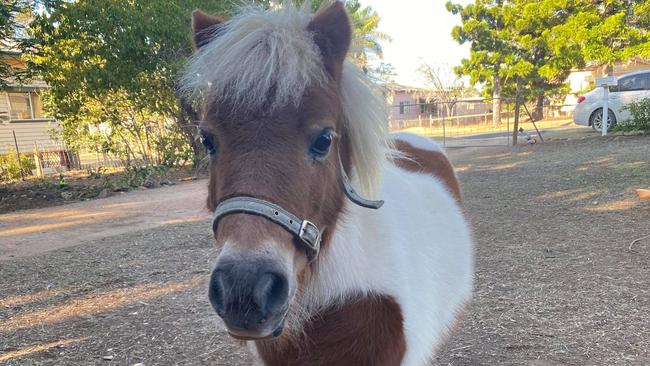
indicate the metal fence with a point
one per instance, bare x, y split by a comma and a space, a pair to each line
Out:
467, 122
41, 156
456, 124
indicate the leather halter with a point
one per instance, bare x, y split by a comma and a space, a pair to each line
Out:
304, 230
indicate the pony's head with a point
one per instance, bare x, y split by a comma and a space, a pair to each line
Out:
285, 116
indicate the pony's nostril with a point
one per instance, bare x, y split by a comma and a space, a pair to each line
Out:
270, 292
216, 292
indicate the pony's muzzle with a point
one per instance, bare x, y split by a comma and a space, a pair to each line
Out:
251, 297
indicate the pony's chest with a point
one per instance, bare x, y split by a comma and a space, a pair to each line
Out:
365, 331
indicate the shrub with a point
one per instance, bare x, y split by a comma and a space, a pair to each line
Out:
11, 167
639, 117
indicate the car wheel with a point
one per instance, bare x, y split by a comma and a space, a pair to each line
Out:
596, 120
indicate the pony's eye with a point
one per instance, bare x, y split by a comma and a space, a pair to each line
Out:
322, 145
208, 141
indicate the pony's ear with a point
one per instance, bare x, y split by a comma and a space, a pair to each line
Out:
332, 34
203, 27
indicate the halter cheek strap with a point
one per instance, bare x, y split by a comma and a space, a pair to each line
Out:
308, 233
353, 195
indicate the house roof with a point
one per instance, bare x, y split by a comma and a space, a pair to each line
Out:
592, 66
395, 87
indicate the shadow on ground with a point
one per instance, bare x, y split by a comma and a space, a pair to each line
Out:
558, 281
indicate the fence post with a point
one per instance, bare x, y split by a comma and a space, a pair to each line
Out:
515, 130
37, 162
20, 164
444, 131
508, 122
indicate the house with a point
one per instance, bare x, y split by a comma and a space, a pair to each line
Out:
23, 125
584, 79
409, 102
418, 107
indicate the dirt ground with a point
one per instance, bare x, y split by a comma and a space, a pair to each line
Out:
78, 186
559, 278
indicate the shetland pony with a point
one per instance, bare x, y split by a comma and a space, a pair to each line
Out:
312, 270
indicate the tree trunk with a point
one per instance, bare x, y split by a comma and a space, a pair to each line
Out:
496, 100
186, 122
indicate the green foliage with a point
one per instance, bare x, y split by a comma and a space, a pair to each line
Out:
365, 22
639, 117
537, 43
112, 66
13, 15
11, 166
132, 177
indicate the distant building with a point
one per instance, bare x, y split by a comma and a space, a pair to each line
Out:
418, 107
584, 79
21, 113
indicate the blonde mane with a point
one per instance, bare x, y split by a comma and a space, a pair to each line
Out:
268, 59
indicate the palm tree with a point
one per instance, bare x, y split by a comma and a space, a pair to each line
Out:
367, 38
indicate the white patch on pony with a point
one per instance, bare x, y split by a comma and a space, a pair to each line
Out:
261, 54
416, 248
419, 142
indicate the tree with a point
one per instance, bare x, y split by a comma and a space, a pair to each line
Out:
483, 27
535, 44
382, 73
447, 86
540, 65
96, 52
13, 15
606, 32
105, 59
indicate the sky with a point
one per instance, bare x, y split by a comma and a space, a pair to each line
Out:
420, 31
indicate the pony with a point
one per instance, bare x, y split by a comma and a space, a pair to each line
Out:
315, 269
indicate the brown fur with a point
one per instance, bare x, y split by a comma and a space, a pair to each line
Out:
203, 26
266, 155
332, 34
432, 162
366, 331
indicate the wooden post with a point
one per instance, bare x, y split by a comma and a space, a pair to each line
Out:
20, 165
515, 130
508, 121
37, 162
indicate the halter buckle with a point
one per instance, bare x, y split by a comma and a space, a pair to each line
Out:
310, 235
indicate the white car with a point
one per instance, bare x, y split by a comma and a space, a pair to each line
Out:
631, 87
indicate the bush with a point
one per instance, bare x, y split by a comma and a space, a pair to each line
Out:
639, 117
11, 167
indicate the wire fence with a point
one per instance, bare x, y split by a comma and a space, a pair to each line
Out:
468, 122
27, 154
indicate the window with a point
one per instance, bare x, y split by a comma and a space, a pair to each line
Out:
634, 83
423, 106
402, 105
24, 105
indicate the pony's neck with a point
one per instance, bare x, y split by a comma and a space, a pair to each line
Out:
342, 271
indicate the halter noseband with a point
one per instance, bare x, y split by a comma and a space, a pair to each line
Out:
308, 234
